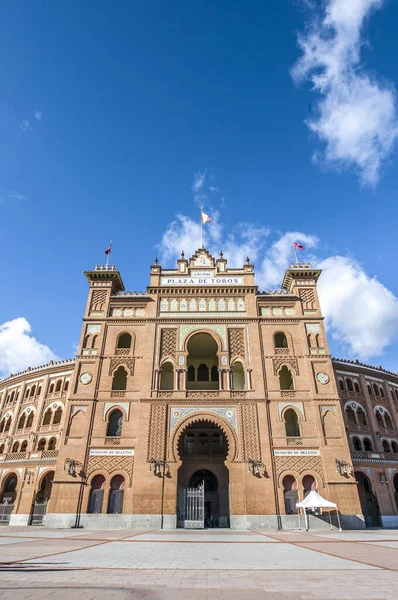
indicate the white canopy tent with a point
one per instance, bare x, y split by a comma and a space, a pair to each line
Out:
315, 500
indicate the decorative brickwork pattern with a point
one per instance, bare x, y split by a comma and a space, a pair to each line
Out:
298, 464
98, 299
307, 298
157, 432
168, 343
285, 360
236, 343
125, 362
203, 394
122, 351
294, 441
118, 394
110, 464
250, 441
238, 394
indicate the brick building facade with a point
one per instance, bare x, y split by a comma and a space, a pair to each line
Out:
199, 390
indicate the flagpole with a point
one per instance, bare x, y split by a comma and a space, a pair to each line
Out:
201, 227
107, 256
295, 253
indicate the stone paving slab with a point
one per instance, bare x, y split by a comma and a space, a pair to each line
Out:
205, 536
385, 544
11, 540
368, 535
41, 532
225, 585
386, 558
152, 555
285, 566
36, 548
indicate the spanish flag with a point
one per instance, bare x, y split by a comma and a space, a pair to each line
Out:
205, 218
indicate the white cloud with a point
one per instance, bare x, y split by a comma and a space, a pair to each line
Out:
199, 181
184, 234
11, 195
281, 254
24, 126
361, 314
357, 115
19, 349
38, 115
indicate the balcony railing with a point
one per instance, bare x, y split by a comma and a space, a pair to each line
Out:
33, 455
296, 441
358, 428
382, 455
16, 456
50, 427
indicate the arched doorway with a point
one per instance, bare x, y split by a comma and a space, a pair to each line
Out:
203, 478
290, 494
368, 499
202, 362
39, 507
8, 495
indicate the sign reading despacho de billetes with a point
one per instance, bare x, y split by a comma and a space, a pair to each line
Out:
111, 452
311, 452
201, 281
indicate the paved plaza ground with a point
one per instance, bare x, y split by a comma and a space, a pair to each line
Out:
178, 565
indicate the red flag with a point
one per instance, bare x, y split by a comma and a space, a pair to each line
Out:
299, 246
108, 250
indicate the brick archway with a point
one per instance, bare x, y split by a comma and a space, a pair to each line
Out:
232, 454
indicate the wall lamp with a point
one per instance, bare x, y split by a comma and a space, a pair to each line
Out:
383, 477
254, 465
342, 467
156, 466
71, 464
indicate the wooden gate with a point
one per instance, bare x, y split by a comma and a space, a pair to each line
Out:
5, 512
195, 507
38, 512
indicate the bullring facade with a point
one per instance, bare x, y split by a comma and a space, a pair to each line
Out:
198, 403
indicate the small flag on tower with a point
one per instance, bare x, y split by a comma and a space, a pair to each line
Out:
205, 218
299, 246
109, 249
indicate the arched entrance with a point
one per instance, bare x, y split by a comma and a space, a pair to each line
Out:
202, 363
42, 498
7, 499
203, 478
368, 499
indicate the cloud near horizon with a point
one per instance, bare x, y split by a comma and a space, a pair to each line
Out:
356, 116
361, 313
19, 349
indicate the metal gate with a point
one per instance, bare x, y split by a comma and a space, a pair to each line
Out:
39, 510
5, 512
195, 507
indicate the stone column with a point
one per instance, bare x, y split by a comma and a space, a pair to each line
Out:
157, 378
176, 378
229, 373
220, 379
249, 379
183, 382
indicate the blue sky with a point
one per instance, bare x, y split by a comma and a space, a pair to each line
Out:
111, 111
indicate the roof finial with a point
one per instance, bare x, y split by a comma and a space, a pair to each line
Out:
221, 253
156, 261
247, 259
182, 254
